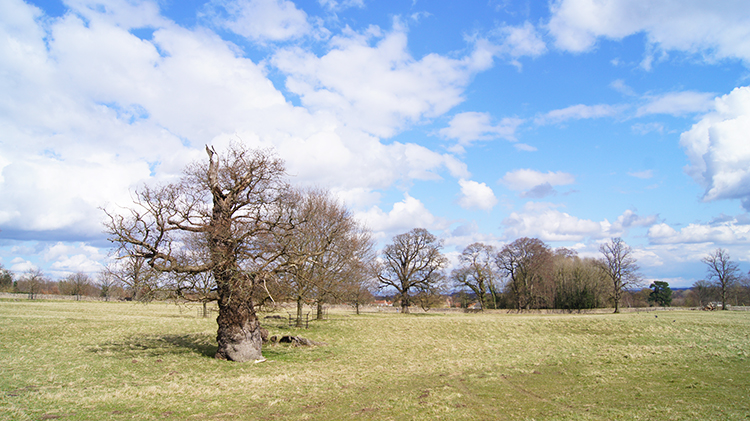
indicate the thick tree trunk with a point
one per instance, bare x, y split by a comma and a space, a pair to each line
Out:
299, 312
319, 310
239, 336
616, 296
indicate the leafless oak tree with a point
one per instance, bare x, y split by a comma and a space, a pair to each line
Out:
722, 271
230, 205
412, 263
476, 271
620, 266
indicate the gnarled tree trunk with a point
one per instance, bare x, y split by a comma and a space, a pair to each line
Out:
239, 336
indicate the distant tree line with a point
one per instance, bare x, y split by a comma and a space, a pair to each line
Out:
527, 274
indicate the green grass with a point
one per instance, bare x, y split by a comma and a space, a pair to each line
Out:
91, 360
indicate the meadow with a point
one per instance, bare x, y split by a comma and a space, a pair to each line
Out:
95, 360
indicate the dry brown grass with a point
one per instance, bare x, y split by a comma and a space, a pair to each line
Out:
82, 360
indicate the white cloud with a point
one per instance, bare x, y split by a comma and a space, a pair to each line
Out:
677, 103
405, 215
578, 112
261, 20
548, 224
719, 151
90, 112
66, 259
524, 147
540, 191
19, 265
475, 195
519, 41
725, 233
469, 127
341, 5
620, 86
544, 221
646, 128
379, 88
124, 13
646, 174
717, 29
629, 219
525, 179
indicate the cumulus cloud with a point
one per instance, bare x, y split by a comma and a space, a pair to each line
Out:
469, 127
405, 215
725, 233
546, 222
718, 148
370, 80
66, 259
475, 195
716, 30
19, 265
91, 112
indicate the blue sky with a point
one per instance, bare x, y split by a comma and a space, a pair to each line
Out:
572, 121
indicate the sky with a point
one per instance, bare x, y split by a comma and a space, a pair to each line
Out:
572, 121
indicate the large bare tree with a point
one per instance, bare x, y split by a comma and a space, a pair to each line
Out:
722, 271
412, 263
230, 206
620, 266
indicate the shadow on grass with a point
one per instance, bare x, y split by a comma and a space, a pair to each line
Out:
160, 345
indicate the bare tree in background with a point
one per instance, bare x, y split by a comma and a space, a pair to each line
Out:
722, 271
580, 283
77, 284
620, 266
412, 263
107, 284
31, 282
133, 273
476, 272
6, 279
230, 205
327, 251
527, 264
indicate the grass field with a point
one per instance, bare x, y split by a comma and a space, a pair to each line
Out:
96, 361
